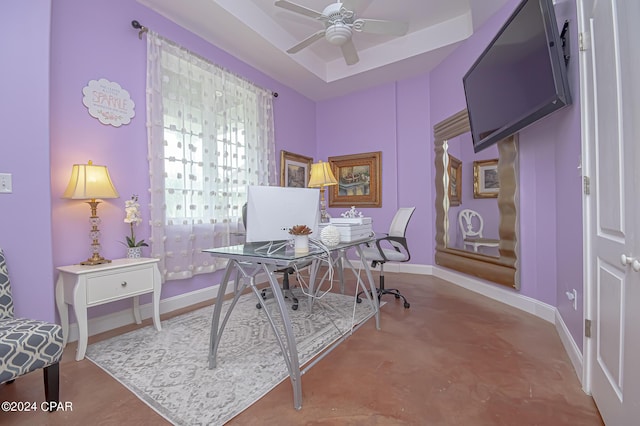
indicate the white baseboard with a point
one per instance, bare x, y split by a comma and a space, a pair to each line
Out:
570, 346
485, 288
501, 294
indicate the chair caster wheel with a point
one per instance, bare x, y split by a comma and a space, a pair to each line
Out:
397, 296
358, 300
406, 305
259, 306
294, 307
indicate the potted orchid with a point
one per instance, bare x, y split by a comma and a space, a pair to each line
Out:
133, 217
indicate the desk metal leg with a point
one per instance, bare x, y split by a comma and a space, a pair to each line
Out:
335, 263
313, 276
216, 327
339, 262
214, 340
340, 265
290, 349
372, 284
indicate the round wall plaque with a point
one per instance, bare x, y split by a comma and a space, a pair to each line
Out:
108, 102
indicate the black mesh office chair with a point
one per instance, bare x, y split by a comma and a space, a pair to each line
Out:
391, 248
286, 289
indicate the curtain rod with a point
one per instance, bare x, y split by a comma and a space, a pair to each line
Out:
135, 24
142, 29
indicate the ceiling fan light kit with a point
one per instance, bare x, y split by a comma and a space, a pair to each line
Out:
338, 34
340, 22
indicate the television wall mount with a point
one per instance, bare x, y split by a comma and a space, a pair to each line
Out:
566, 49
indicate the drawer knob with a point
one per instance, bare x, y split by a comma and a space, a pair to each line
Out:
123, 283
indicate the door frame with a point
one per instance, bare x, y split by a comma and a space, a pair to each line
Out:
586, 127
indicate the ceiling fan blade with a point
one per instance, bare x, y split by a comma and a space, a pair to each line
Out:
376, 26
306, 42
298, 9
349, 52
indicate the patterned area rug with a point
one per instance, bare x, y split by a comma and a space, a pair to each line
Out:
169, 371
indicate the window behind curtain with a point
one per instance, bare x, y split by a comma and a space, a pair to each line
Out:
210, 136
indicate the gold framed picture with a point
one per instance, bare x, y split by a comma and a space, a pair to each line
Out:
455, 181
359, 180
295, 169
485, 179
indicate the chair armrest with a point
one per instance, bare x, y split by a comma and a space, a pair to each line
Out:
400, 240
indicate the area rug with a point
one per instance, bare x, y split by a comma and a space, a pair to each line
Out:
168, 370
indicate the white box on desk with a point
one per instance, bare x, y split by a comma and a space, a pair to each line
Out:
351, 232
352, 228
350, 220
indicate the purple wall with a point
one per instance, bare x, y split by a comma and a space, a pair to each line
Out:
394, 119
568, 150
25, 214
92, 40
87, 41
550, 184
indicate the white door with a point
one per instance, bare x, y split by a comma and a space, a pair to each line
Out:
611, 98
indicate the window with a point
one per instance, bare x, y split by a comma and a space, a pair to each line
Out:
210, 136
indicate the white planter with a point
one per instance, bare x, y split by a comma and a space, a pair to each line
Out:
301, 243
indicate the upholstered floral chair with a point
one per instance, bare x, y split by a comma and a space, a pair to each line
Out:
27, 345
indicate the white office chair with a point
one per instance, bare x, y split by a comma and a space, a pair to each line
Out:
471, 225
392, 248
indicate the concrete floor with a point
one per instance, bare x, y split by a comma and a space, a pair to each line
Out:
453, 358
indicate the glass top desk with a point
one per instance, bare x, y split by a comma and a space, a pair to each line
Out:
248, 260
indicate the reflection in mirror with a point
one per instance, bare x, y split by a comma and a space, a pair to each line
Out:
474, 220
492, 256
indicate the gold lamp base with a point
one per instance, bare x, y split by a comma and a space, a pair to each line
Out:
96, 259
325, 217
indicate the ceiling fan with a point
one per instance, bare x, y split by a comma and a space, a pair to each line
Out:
340, 22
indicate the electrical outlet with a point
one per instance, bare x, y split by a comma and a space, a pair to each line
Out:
6, 187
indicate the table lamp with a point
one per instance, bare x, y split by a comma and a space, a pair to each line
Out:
90, 182
321, 176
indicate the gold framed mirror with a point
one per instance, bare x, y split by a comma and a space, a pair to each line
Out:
501, 268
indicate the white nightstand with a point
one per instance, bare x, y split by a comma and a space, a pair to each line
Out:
85, 286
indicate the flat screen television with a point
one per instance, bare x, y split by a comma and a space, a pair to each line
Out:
273, 210
519, 78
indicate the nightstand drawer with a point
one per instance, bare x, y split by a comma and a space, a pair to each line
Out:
119, 285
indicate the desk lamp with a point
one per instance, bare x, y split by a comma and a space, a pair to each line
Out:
90, 182
321, 176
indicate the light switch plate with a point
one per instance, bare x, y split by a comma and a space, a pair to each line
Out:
6, 187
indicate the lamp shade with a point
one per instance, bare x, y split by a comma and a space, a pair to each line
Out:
89, 182
321, 175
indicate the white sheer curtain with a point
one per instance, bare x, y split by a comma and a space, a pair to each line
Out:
210, 134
